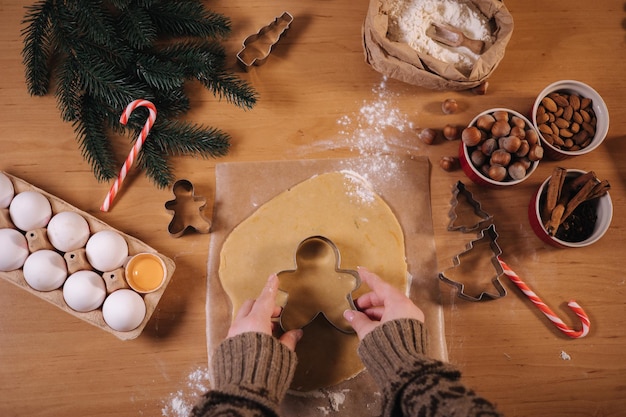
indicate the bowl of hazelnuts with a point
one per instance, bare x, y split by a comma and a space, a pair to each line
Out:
500, 147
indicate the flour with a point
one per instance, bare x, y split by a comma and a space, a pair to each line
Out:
376, 132
181, 402
409, 19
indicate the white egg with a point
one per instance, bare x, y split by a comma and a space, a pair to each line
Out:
84, 291
30, 210
68, 231
124, 310
106, 250
13, 250
45, 270
6, 191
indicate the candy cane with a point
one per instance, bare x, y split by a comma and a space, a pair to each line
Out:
134, 151
573, 305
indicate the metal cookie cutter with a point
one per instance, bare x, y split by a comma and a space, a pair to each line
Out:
460, 190
487, 235
256, 48
187, 210
318, 265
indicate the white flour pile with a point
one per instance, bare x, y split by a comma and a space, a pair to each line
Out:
409, 19
180, 403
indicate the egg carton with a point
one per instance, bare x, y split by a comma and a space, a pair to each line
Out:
55, 297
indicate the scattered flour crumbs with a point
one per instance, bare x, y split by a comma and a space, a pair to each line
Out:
377, 132
180, 403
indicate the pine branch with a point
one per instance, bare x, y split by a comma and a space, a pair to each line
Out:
37, 46
182, 138
94, 146
107, 53
187, 18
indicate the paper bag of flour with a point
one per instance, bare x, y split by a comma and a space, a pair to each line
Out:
396, 43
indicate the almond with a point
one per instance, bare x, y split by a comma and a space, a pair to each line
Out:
574, 101
550, 105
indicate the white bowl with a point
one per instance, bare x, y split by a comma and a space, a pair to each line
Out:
599, 108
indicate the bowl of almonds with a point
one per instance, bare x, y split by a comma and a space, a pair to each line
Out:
500, 147
571, 117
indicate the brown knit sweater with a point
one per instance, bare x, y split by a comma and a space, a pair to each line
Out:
252, 372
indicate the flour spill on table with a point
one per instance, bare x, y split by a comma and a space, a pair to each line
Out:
180, 403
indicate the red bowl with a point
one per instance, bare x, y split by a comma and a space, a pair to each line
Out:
474, 174
604, 211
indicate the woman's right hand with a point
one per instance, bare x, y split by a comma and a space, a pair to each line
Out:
382, 304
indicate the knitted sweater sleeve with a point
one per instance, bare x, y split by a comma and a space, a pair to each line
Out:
251, 373
413, 384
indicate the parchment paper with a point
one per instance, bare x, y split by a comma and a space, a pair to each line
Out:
242, 187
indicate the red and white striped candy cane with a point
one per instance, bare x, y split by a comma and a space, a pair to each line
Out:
573, 305
134, 151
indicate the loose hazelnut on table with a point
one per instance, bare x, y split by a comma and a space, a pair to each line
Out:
449, 163
427, 136
449, 106
451, 132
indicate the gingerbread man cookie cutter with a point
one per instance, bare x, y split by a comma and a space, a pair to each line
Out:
317, 259
187, 210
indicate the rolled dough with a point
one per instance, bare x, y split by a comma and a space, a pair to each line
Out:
343, 207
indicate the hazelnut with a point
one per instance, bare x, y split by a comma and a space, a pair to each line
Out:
502, 115
497, 172
485, 122
449, 106
518, 121
523, 149
517, 171
518, 131
449, 163
510, 143
535, 153
500, 128
471, 136
531, 136
500, 157
481, 89
525, 162
478, 157
451, 132
488, 146
427, 136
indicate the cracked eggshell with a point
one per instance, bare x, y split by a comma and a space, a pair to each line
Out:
124, 310
6, 191
45, 270
106, 250
68, 231
30, 210
13, 250
84, 291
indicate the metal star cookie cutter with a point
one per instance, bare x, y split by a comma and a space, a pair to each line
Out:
489, 235
460, 190
187, 210
250, 55
309, 252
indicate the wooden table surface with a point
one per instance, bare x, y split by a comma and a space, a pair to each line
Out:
312, 89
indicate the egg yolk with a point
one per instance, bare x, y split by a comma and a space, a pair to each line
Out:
145, 272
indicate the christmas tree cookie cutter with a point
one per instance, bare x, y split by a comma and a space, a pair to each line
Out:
317, 285
187, 210
257, 47
486, 236
460, 192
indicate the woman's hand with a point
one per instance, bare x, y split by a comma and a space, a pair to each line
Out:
383, 303
256, 316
